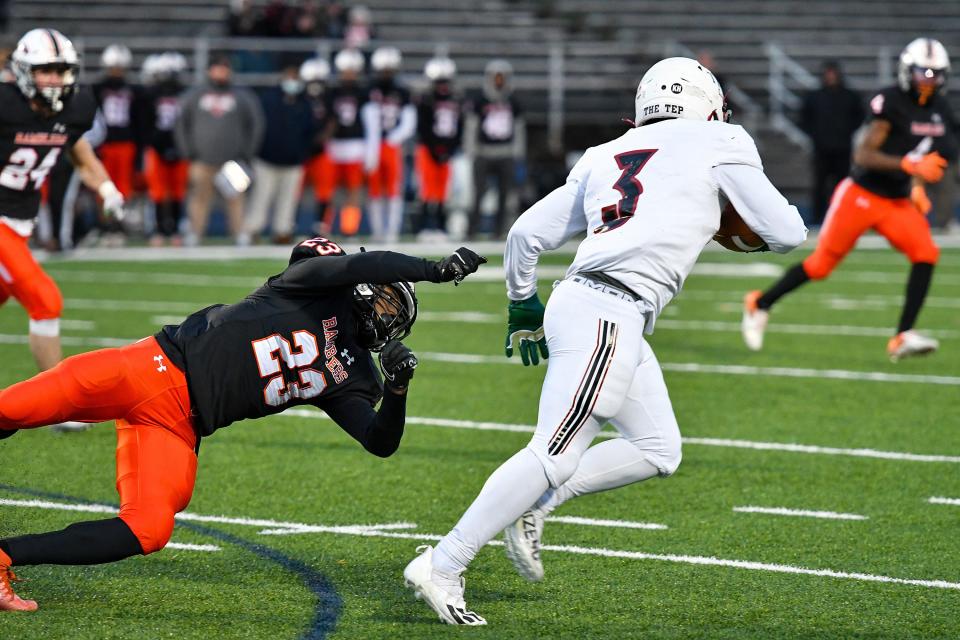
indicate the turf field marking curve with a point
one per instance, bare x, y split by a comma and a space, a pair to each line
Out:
592, 551
803, 513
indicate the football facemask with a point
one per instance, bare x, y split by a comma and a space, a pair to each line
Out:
384, 312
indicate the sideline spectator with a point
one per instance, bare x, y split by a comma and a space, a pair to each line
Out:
398, 119
359, 29
439, 135
287, 141
496, 138
244, 21
830, 115
218, 123
164, 168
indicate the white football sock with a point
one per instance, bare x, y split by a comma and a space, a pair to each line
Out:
606, 465
508, 492
394, 218
377, 219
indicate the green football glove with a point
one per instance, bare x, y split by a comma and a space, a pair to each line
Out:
525, 330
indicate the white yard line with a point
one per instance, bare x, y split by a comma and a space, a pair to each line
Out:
192, 547
708, 442
370, 531
803, 513
78, 325
951, 501
795, 328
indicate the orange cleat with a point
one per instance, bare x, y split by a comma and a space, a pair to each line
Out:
10, 601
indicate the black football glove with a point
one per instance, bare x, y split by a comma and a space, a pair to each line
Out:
462, 263
397, 363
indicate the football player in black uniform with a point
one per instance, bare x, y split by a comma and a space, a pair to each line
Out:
910, 138
304, 337
43, 115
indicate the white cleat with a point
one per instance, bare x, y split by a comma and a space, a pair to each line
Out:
443, 593
910, 343
71, 426
754, 322
522, 540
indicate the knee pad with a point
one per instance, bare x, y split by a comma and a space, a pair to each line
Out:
929, 254
152, 526
41, 298
558, 468
820, 264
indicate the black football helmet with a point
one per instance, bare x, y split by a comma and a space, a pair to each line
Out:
384, 312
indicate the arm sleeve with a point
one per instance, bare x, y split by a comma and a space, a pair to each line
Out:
98, 130
406, 127
546, 225
761, 206
373, 267
378, 431
370, 114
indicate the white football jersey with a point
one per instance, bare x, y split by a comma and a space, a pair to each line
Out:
648, 202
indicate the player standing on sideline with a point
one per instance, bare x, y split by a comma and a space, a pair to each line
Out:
119, 102
165, 169
496, 137
44, 114
398, 119
354, 138
439, 133
648, 202
304, 337
318, 171
910, 139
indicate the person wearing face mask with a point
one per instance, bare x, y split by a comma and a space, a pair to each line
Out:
278, 167
218, 123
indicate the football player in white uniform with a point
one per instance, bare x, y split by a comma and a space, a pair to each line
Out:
648, 202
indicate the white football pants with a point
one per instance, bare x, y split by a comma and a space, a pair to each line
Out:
600, 370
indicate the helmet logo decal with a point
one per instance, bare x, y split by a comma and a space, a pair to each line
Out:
676, 87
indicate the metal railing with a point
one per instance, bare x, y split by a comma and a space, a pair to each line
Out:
784, 69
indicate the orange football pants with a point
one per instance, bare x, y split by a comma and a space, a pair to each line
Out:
434, 176
118, 159
853, 211
385, 181
22, 278
319, 174
165, 180
148, 397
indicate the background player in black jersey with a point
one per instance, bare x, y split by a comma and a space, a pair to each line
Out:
911, 136
43, 116
304, 337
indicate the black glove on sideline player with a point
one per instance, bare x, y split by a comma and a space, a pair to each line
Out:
462, 263
397, 363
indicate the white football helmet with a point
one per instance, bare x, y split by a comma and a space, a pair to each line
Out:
116, 56
679, 88
386, 59
46, 48
315, 70
924, 66
349, 60
440, 68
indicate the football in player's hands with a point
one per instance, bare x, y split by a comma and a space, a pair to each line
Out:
458, 266
397, 363
735, 235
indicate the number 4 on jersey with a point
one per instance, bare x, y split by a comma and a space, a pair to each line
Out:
631, 162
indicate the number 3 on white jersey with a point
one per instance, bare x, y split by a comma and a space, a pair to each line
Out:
278, 392
19, 169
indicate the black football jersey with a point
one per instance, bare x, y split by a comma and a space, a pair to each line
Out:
913, 127
291, 342
440, 123
321, 117
160, 109
392, 98
119, 101
31, 145
496, 119
344, 104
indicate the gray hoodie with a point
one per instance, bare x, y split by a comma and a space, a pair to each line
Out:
217, 124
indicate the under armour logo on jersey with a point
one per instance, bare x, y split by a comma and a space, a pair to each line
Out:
59, 127
160, 366
345, 354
